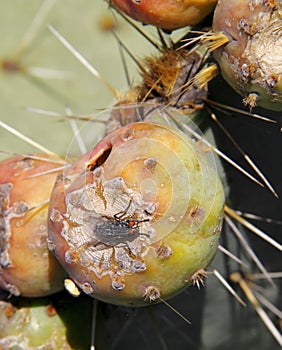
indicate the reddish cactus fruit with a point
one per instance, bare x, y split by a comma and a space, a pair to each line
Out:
168, 14
26, 266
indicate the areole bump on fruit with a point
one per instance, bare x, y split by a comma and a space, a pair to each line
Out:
133, 220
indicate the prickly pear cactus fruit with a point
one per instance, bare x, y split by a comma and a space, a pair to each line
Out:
137, 218
41, 323
168, 14
251, 61
26, 266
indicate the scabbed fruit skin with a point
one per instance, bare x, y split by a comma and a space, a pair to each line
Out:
251, 61
137, 217
26, 265
167, 14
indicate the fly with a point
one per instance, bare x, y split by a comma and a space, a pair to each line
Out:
116, 230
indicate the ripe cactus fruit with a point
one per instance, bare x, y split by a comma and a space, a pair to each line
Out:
251, 61
26, 266
168, 14
136, 218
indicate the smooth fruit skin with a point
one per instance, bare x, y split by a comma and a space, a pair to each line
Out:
26, 265
251, 61
144, 178
168, 14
